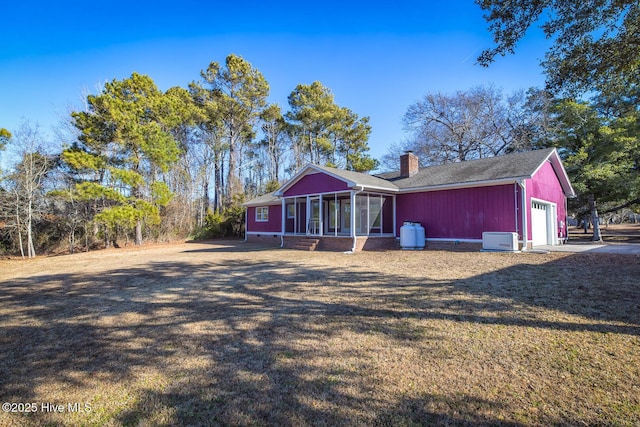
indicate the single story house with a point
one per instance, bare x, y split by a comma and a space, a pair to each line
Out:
524, 193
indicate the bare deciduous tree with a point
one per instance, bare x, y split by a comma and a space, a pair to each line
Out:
480, 122
26, 185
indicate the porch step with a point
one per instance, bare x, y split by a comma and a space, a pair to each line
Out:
306, 244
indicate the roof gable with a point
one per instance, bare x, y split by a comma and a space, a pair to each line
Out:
349, 178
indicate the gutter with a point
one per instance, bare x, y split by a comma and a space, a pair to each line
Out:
283, 216
459, 185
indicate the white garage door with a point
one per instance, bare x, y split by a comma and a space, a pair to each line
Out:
539, 223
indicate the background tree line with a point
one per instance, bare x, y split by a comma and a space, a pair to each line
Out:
140, 163
147, 164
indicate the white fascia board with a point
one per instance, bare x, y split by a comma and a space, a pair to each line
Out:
558, 167
280, 191
463, 185
373, 187
349, 183
303, 196
251, 204
569, 191
547, 159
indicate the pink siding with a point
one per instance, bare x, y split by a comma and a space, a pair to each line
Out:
274, 225
314, 184
545, 186
459, 214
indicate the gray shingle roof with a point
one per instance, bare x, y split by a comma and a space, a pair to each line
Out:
511, 166
264, 200
360, 179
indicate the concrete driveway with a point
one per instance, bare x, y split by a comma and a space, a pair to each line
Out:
610, 248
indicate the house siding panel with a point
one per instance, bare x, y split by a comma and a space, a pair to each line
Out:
273, 225
461, 213
314, 184
545, 186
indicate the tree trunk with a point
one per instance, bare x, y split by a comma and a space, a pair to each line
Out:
594, 219
139, 232
72, 240
30, 248
234, 184
219, 184
18, 226
205, 196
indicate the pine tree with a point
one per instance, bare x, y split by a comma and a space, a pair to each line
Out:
125, 147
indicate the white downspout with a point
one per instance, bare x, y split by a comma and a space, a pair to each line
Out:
525, 228
283, 222
353, 217
515, 211
565, 232
321, 216
394, 216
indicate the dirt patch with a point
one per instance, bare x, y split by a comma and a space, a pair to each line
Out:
232, 334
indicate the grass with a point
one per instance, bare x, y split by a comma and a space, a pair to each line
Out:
229, 334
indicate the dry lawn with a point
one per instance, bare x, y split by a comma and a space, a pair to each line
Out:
226, 333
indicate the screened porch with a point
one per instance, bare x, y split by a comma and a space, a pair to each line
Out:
340, 214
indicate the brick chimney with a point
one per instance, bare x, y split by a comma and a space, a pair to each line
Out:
408, 164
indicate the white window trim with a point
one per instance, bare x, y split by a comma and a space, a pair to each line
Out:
260, 217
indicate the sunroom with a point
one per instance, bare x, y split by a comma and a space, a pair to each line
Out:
339, 214
326, 203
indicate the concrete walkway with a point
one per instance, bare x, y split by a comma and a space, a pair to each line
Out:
610, 248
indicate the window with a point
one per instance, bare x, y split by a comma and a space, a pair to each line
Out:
262, 214
291, 211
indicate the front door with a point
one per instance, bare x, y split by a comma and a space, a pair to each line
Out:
345, 216
313, 225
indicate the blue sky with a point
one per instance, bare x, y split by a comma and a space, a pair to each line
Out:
377, 59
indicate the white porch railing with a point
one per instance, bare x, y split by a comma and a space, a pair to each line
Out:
314, 227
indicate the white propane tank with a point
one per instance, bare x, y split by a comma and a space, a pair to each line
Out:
420, 236
408, 236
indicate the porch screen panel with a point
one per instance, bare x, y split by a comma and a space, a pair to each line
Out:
387, 215
361, 215
375, 214
334, 207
